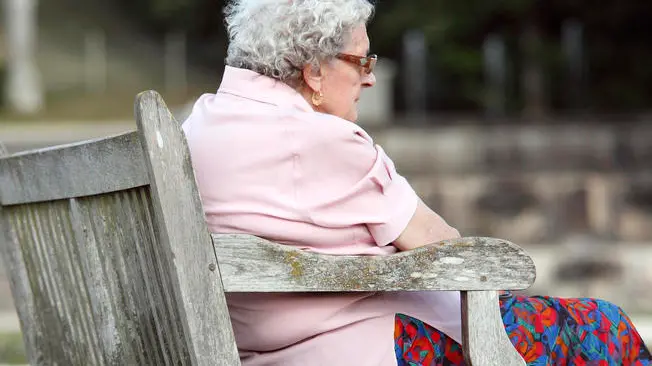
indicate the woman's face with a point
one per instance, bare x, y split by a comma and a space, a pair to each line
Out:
343, 81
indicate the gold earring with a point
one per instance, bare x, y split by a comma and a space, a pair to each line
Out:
317, 98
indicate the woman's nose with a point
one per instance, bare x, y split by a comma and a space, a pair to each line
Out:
368, 80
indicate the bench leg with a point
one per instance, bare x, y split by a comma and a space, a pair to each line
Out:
485, 341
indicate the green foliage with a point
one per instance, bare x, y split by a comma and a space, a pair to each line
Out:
617, 37
162, 14
454, 31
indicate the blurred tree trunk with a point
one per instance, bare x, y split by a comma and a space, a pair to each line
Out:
24, 90
532, 75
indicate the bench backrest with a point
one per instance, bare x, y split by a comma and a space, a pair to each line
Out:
111, 262
108, 253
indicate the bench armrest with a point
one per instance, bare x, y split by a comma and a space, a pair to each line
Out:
251, 264
475, 266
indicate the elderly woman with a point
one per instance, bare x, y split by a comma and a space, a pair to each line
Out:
277, 154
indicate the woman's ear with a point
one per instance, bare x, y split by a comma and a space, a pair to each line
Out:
313, 77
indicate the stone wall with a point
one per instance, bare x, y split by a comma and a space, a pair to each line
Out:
578, 198
473, 147
542, 206
532, 184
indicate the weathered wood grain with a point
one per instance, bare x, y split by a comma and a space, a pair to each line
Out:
93, 272
130, 303
485, 340
74, 170
252, 264
91, 284
19, 282
182, 231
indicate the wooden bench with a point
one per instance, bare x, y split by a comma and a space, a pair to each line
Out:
111, 262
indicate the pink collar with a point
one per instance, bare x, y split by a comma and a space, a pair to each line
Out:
252, 85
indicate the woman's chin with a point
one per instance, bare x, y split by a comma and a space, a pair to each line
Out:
353, 116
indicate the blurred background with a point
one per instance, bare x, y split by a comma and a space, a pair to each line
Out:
520, 119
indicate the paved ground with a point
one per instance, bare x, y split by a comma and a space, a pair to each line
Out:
18, 136
9, 322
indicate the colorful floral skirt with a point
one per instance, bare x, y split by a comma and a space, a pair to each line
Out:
544, 330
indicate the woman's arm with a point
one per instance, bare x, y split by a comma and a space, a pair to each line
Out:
424, 228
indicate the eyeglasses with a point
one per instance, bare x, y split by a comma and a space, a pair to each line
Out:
367, 63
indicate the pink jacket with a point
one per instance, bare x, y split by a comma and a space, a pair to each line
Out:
268, 165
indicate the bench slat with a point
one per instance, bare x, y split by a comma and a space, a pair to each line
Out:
74, 170
182, 230
251, 264
485, 339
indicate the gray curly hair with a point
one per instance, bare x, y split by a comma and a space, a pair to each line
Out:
278, 38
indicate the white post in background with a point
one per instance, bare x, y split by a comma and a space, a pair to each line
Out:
495, 72
415, 75
175, 62
572, 40
24, 89
532, 73
95, 64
